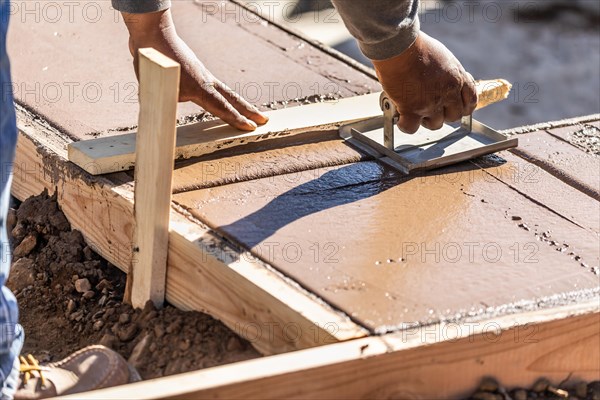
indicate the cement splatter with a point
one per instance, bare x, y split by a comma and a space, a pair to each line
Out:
587, 139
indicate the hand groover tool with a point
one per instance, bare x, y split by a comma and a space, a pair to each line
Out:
427, 149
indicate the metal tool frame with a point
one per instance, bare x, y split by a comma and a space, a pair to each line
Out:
387, 153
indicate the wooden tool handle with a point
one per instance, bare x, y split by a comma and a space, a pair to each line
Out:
491, 91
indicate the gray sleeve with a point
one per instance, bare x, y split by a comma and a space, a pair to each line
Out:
383, 28
140, 6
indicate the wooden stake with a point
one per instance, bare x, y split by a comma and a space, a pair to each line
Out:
154, 157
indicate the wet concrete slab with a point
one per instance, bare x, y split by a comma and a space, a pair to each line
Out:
541, 187
71, 64
391, 251
256, 162
567, 162
583, 136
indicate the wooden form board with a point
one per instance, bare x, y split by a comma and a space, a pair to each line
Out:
442, 361
117, 153
159, 94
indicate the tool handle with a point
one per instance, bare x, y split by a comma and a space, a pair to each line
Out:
488, 92
491, 91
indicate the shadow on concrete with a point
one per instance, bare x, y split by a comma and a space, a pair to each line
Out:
345, 185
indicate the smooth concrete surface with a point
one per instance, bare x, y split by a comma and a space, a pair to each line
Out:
255, 162
391, 252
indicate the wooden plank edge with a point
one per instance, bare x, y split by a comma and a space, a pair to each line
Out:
202, 272
425, 363
117, 153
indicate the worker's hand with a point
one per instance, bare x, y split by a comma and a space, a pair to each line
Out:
427, 84
197, 83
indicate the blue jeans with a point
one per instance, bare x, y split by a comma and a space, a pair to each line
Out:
11, 334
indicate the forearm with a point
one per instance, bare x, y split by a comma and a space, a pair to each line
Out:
141, 6
149, 22
383, 28
152, 29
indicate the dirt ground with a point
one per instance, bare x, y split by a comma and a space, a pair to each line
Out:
69, 298
542, 389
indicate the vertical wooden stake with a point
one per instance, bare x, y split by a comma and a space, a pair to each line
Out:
155, 150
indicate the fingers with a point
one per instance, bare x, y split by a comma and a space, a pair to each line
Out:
463, 103
455, 106
216, 104
453, 112
469, 95
241, 104
221, 101
433, 122
409, 123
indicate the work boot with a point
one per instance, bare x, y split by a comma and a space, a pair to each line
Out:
91, 368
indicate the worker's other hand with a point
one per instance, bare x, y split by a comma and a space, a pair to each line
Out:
197, 83
427, 84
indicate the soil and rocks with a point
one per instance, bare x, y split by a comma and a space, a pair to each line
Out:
69, 298
542, 389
